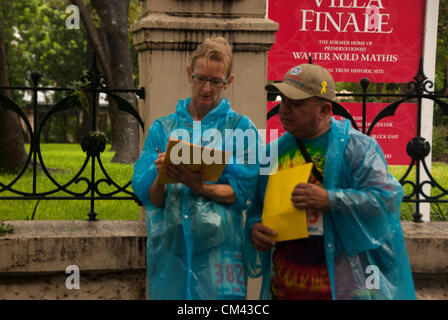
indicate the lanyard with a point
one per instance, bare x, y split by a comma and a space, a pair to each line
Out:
307, 158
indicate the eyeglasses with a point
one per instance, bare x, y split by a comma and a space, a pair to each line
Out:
201, 80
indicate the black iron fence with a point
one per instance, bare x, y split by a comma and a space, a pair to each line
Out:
418, 148
93, 144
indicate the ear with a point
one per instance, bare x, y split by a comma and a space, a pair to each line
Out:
325, 109
232, 76
189, 74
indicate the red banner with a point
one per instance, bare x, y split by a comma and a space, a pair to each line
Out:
378, 39
391, 133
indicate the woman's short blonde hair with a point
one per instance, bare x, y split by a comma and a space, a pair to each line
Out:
214, 49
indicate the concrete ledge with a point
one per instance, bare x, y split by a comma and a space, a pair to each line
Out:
427, 245
206, 7
164, 32
49, 246
111, 257
128, 285
431, 286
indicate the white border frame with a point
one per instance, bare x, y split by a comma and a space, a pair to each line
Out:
429, 65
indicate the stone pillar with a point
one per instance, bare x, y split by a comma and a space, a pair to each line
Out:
170, 30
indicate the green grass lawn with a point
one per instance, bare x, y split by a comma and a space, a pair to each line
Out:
439, 171
65, 160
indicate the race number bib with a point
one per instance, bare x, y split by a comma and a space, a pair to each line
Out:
229, 276
314, 219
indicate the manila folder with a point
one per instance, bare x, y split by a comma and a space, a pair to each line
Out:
195, 158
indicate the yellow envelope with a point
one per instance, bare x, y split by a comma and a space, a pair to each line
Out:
278, 212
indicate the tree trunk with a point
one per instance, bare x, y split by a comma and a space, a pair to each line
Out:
114, 24
115, 59
95, 38
12, 145
87, 118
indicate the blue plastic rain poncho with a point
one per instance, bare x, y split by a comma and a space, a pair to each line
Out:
194, 246
363, 240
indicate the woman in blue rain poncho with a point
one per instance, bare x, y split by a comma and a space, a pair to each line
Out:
360, 253
195, 229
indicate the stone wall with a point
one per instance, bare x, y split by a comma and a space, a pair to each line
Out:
427, 245
110, 256
111, 259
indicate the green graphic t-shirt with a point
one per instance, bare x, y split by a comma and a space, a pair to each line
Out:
299, 266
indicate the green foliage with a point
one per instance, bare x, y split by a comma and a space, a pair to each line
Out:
442, 46
440, 119
78, 91
37, 39
5, 229
440, 143
99, 135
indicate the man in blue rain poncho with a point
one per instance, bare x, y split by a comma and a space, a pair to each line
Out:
195, 229
355, 248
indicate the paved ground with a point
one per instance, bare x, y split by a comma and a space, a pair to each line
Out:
253, 289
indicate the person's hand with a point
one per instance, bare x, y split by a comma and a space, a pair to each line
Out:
310, 196
158, 162
157, 191
194, 180
259, 237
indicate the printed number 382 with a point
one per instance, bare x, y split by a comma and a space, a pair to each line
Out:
229, 273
